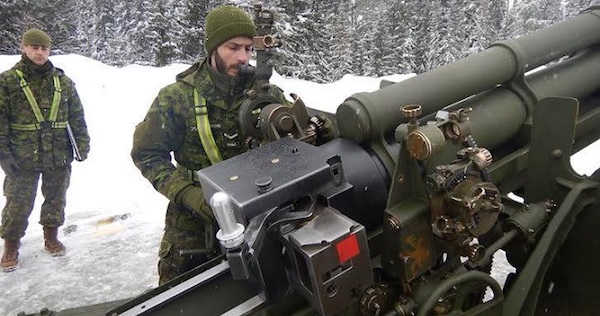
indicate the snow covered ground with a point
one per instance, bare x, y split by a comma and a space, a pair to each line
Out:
114, 217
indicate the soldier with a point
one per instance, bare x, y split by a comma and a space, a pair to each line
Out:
38, 107
208, 94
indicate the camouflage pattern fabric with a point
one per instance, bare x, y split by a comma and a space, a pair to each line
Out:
20, 191
170, 127
188, 242
46, 152
46, 148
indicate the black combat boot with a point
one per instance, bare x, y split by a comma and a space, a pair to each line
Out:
51, 243
10, 258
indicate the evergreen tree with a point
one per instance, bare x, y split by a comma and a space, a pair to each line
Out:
84, 23
369, 39
426, 35
339, 34
289, 18
322, 40
302, 55
574, 7
552, 12
141, 39
192, 45
491, 15
450, 38
470, 27
394, 45
532, 15
102, 30
126, 16
161, 36
11, 17
58, 19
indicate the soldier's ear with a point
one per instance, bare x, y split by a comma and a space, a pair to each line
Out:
211, 59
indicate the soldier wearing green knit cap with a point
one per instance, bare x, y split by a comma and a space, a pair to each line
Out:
37, 103
195, 121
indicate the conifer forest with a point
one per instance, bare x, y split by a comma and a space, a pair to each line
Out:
322, 40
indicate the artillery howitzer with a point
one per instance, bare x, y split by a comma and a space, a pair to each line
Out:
402, 214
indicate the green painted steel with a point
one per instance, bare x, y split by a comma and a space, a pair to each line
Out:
528, 120
499, 115
366, 116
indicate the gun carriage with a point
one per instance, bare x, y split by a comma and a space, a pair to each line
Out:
403, 213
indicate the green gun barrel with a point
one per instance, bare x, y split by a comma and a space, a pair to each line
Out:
365, 117
499, 115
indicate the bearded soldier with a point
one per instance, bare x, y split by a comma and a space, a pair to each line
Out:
42, 124
196, 119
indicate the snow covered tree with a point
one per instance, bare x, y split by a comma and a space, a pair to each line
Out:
304, 40
574, 7
140, 37
491, 15
450, 36
531, 15
394, 45
192, 45
426, 35
322, 40
337, 44
58, 18
11, 17
102, 29
162, 30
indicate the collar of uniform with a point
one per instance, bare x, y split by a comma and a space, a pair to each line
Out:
31, 69
188, 75
227, 86
199, 76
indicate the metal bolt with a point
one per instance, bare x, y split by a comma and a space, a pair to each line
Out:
441, 168
557, 153
251, 94
264, 184
393, 223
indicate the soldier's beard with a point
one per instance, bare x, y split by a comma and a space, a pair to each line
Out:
222, 66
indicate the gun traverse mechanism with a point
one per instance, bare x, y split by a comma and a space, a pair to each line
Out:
402, 214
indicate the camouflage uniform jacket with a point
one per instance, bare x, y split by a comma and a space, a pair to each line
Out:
47, 147
170, 127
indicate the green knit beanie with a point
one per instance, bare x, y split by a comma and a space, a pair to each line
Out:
226, 22
36, 37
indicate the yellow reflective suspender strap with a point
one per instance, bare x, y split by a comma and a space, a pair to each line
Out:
55, 100
32, 101
206, 136
35, 127
36, 108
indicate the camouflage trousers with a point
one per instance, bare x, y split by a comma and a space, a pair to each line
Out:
20, 191
188, 242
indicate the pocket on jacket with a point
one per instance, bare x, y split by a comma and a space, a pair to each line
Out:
61, 147
25, 149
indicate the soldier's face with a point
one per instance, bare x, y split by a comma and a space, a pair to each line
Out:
37, 54
231, 54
